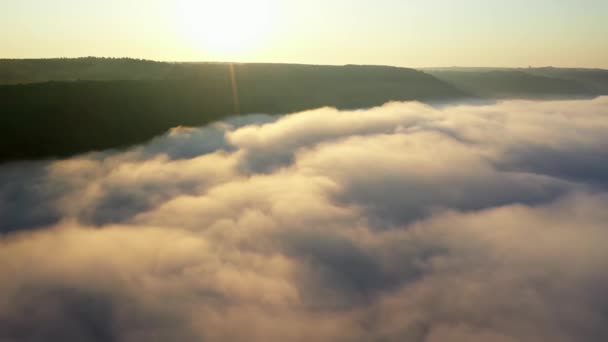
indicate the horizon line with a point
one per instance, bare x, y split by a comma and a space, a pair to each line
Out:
299, 63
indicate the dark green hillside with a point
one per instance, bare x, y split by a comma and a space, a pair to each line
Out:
59, 107
14, 71
62, 118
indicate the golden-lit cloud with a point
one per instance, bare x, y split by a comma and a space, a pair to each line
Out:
402, 222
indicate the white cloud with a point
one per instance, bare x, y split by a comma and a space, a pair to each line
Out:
402, 222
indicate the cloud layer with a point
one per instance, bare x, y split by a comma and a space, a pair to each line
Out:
399, 223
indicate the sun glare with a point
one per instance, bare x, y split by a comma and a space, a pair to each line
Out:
226, 26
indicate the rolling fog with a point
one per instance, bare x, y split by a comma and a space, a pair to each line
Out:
403, 222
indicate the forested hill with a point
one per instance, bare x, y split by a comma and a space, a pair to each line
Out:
59, 107
15, 71
59, 118
492, 82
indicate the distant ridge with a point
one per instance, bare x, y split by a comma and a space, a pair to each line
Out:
515, 83
59, 107
543, 81
64, 107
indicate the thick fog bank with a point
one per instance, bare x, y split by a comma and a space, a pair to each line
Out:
404, 222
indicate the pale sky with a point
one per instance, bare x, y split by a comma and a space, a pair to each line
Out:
415, 33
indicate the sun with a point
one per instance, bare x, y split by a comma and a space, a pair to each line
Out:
224, 27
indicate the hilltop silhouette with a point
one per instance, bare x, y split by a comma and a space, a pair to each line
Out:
60, 107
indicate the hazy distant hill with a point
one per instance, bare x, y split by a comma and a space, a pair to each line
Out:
62, 118
509, 83
596, 79
526, 82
